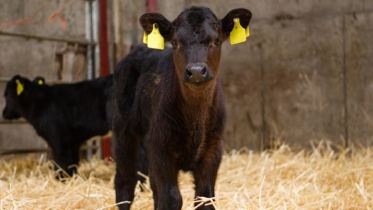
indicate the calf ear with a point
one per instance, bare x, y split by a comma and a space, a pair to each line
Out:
165, 26
20, 87
17, 80
228, 21
39, 80
17, 76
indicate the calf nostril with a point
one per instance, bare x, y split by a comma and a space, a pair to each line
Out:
189, 73
204, 71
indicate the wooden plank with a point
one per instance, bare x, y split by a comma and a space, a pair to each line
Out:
27, 57
46, 18
73, 65
19, 137
53, 61
359, 71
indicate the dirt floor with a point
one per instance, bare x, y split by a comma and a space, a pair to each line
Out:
280, 179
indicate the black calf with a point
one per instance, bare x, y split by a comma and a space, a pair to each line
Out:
173, 100
65, 115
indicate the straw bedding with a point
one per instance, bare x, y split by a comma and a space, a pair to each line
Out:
280, 179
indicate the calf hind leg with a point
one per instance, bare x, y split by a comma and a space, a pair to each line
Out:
125, 177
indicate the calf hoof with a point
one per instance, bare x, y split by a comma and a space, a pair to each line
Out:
172, 201
124, 206
62, 175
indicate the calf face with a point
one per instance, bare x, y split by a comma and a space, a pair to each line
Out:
196, 36
15, 93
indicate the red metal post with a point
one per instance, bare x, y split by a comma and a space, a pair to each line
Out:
104, 63
103, 39
106, 147
151, 5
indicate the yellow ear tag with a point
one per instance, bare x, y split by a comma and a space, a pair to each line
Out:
247, 31
155, 39
145, 38
238, 33
19, 87
40, 82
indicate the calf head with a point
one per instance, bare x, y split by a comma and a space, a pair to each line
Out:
196, 36
14, 94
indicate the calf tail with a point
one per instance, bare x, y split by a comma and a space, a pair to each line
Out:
124, 87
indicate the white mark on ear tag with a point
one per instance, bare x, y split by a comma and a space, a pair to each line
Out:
238, 33
247, 31
155, 39
20, 87
145, 38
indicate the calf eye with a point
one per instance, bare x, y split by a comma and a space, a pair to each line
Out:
215, 43
174, 44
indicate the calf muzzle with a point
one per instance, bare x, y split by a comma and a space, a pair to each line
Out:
10, 115
197, 73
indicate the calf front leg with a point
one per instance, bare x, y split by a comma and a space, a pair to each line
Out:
66, 158
163, 176
206, 172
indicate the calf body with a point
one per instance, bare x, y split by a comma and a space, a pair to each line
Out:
173, 101
65, 115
